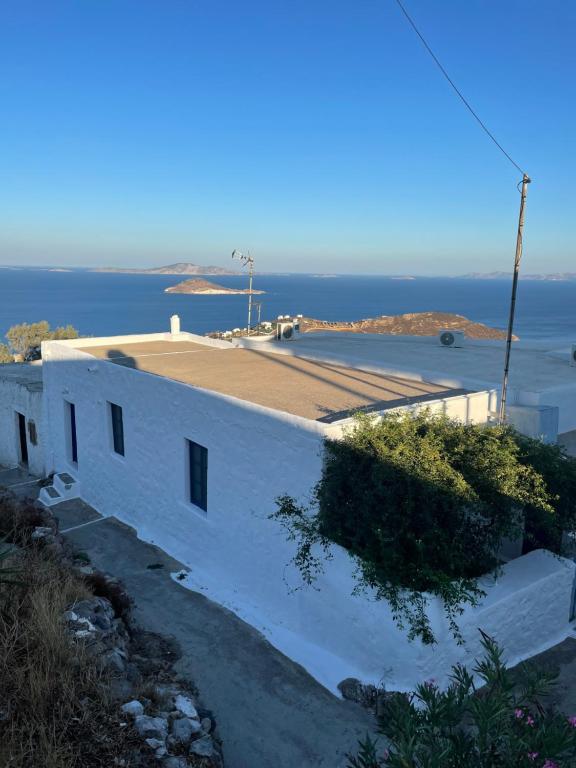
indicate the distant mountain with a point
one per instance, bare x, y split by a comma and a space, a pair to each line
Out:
553, 276
182, 268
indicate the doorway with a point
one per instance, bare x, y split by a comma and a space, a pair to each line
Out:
23, 443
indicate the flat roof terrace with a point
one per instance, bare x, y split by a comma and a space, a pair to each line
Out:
312, 389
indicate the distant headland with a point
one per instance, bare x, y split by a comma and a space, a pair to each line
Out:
413, 324
205, 287
181, 268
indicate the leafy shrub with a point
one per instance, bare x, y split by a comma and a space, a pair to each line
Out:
25, 339
502, 725
423, 503
5, 355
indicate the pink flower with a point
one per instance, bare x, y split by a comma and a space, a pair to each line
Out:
572, 721
518, 714
385, 754
550, 764
532, 755
529, 720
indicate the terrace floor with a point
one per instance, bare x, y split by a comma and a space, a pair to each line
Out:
310, 388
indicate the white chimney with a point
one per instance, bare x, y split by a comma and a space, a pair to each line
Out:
175, 325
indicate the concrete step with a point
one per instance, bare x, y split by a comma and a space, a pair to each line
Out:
66, 485
49, 496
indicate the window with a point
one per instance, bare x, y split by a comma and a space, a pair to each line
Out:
198, 474
117, 428
73, 452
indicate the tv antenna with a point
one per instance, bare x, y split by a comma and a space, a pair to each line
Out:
247, 261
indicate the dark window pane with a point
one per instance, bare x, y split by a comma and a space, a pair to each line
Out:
117, 428
198, 474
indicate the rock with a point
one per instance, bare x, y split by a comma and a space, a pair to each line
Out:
202, 747
185, 705
160, 752
114, 661
155, 743
151, 727
41, 532
175, 762
206, 724
184, 729
70, 616
133, 708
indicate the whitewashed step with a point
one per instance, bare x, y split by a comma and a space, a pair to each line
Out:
49, 496
65, 484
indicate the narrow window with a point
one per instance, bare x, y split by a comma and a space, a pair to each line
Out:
117, 428
73, 438
198, 474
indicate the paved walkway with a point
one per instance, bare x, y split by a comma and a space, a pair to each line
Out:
270, 712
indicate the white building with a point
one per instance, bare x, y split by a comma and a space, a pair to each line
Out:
191, 441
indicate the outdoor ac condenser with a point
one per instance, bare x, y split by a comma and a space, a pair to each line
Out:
448, 338
573, 355
285, 332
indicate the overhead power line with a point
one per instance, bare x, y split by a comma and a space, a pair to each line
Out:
457, 90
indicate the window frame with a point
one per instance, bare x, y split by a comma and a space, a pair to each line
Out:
197, 464
116, 415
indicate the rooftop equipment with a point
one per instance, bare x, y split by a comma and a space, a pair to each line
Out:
449, 338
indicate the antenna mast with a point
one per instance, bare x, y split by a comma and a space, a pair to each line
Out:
247, 261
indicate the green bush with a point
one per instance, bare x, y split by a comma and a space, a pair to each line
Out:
502, 725
25, 339
423, 503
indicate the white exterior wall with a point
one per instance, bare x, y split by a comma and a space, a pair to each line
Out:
16, 397
235, 553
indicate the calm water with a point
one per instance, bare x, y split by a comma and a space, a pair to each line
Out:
105, 304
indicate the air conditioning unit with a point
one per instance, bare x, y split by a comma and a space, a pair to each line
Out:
285, 331
448, 338
573, 355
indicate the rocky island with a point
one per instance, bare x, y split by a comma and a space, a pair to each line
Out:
205, 287
412, 324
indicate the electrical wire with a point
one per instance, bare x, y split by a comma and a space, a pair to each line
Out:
456, 89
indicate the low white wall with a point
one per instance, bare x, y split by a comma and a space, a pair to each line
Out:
17, 397
235, 553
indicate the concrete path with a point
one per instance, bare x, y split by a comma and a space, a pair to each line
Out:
270, 712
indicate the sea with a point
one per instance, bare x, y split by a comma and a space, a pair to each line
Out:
103, 304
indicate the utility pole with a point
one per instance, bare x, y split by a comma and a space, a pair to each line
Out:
502, 414
251, 273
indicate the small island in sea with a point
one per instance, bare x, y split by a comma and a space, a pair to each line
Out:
205, 287
412, 324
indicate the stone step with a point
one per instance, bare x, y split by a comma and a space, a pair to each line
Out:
49, 496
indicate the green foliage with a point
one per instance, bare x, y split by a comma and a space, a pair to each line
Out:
422, 504
559, 473
25, 339
502, 725
5, 355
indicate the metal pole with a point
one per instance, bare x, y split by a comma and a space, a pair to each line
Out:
502, 414
251, 273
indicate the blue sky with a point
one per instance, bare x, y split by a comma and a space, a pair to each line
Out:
317, 134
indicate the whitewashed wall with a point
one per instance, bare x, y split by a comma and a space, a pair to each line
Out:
16, 396
236, 554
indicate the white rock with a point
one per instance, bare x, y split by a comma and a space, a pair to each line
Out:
185, 705
202, 747
70, 616
133, 708
184, 729
151, 727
